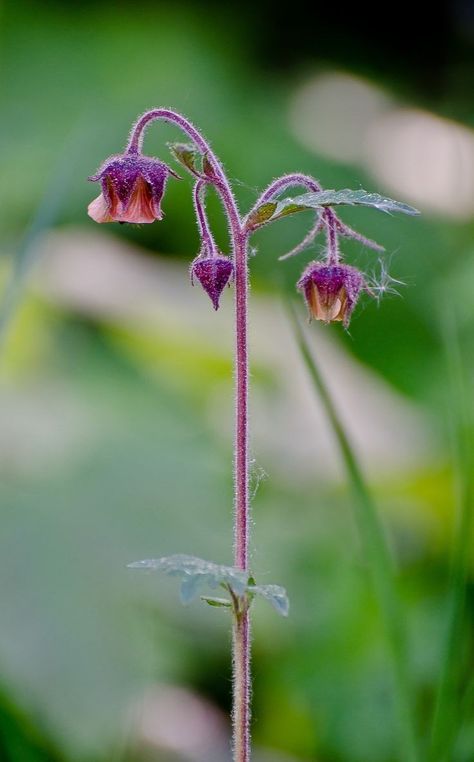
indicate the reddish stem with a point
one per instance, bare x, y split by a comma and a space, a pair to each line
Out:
209, 245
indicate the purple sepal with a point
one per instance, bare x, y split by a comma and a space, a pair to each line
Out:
331, 291
213, 273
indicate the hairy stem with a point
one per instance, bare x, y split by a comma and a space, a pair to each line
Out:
284, 182
241, 640
241, 629
330, 220
204, 230
241, 430
242, 687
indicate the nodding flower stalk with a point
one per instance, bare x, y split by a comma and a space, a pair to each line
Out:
132, 188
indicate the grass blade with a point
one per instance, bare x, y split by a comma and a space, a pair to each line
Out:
377, 552
448, 710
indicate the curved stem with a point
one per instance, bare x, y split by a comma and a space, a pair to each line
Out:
239, 238
281, 183
221, 182
289, 181
207, 239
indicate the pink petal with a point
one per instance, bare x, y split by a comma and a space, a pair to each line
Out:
141, 207
99, 210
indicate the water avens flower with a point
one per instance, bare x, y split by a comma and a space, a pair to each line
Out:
132, 188
331, 291
213, 273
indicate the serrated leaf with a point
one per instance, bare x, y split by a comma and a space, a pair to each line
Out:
217, 602
342, 197
188, 155
275, 595
195, 572
275, 210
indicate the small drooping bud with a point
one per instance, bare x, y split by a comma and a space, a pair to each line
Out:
213, 273
331, 291
132, 188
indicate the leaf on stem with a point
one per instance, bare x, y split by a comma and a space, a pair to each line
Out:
275, 595
195, 573
216, 602
261, 215
188, 155
207, 167
275, 210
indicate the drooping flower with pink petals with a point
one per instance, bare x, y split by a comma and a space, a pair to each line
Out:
331, 291
132, 188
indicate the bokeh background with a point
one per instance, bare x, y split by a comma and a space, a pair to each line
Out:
116, 377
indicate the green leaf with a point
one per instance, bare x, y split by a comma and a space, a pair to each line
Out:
188, 155
195, 572
271, 211
342, 197
275, 595
261, 215
217, 602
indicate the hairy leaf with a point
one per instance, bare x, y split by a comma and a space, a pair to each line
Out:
342, 197
195, 572
217, 602
261, 215
188, 155
271, 211
275, 595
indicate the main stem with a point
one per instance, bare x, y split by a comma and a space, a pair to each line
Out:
241, 628
241, 635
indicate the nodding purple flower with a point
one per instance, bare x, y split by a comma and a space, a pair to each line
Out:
213, 273
331, 291
132, 188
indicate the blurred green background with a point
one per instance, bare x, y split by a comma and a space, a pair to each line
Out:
116, 378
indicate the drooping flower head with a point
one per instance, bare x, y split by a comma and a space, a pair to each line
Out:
331, 291
132, 188
213, 273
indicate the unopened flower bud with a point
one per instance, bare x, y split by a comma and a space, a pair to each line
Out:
132, 188
331, 291
213, 273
